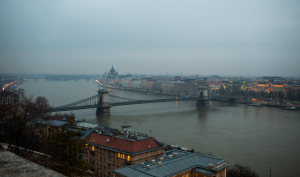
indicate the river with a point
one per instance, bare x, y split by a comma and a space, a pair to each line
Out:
264, 138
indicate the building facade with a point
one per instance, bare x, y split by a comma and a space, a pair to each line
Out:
110, 151
177, 163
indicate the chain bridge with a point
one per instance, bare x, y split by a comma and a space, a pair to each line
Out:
103, 101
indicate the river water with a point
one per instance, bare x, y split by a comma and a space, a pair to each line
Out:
264, 138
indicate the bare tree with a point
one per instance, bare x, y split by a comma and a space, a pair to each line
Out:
19, 122
241, 171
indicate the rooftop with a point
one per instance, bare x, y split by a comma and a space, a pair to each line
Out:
123, 144
176, 164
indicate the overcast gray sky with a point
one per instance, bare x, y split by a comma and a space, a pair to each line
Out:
254, 37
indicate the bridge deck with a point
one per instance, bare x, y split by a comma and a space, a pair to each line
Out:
124, 103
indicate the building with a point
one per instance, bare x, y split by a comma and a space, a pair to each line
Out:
109, 150
111, 77
8, 97
177, 163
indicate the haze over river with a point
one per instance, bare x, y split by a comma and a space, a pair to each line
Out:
264, 138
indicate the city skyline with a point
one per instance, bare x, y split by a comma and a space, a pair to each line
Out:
207, 38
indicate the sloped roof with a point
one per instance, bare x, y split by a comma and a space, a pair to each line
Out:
177, 164
123, 144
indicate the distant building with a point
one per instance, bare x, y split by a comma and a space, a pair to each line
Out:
8, 97
111, 77
177, 163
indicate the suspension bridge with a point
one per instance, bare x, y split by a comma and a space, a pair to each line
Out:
103, 101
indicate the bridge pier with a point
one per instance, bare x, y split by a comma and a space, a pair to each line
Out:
202, 87
103, 111
104, 107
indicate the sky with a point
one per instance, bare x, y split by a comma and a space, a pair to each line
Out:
206, 37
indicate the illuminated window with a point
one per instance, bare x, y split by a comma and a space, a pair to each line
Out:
149, 154
139, 156
93, 148
128, 157
119, 155
86, 146
123, 156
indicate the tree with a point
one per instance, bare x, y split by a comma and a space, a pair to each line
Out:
241, 171
17, 125
64, 145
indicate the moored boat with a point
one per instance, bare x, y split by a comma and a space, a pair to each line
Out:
255, 104
290, 108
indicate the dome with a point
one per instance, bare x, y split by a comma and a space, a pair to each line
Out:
112, 70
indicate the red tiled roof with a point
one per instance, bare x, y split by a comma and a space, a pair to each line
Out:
122, 144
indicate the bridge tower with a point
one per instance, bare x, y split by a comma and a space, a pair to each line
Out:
104, 107
202, 87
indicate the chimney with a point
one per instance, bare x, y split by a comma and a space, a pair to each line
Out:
175, 154
148, 166
152, 161
143, 164
210, 165
164, 154
161, 159
170, 156
159, 163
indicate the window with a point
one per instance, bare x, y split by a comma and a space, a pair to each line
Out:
93, 148
104, 167
97, 165
113, 162
114, 154
149, 154
104, 160
101, 167
128, 157
104, 151
97, 149
152, 152
87, 154
139, 156
109, 174
109, 166
86, 161
119, 155
101, 159
86, 146
97, 157
108, 152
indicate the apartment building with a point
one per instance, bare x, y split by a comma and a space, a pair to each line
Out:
108, 151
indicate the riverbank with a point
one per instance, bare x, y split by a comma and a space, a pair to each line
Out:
134, 90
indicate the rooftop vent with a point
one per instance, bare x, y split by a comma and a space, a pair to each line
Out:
143, 164
170, 156
175, 154
152, 161
210, 165
107, 140
148, 166
161, 159
159, 163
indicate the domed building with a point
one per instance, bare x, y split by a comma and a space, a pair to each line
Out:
111, 77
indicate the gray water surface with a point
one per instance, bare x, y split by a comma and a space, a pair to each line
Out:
264, 138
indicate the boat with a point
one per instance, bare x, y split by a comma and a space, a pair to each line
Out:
149, 93
255, 104
290, 108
